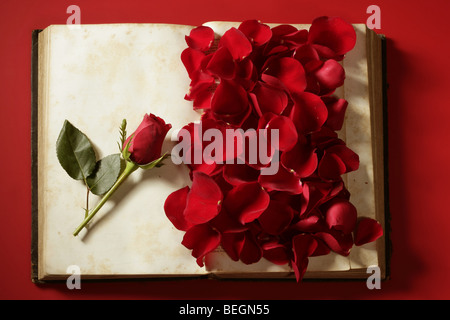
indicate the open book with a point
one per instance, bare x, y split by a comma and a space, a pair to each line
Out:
96, 75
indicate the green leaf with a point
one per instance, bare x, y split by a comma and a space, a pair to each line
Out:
75, 152
155, 163
105, 174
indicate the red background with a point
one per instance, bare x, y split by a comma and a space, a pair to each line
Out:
419, 153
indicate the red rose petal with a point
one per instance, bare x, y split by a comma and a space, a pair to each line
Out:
202, 100
192, 60
174, 208
200, 38
306, 53
233, 243
237, 43
204, 199
350, 158
312, 223
322, 249
230, 103
303, 246
237, 174
341, 215
287, 132
302, 158
333, 33
256, 32
202, 239
270, 98
325, 52
226, 223
330, 75
309, 112
251, 251
222, 64
283, 180
336, 112
276, 253
331, 167
368, 230
246, 201
276, 218
337, 160
290, 71
296, 39
337, 241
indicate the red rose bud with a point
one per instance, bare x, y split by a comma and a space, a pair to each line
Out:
144, 145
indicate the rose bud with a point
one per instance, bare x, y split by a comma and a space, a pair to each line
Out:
144, 145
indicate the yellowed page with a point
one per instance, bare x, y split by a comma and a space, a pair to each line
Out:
98, 75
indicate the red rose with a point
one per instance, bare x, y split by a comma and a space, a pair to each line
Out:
146, 142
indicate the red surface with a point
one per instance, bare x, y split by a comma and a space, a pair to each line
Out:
419, 155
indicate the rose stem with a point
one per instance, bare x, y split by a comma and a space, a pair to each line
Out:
130, 168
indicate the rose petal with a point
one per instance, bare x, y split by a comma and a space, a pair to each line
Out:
276, 253
226, 223
330, 75
283, 180
341, 215
290, 71
306, 53
237, 43
368, 230
333, 33
331, 166
202, 100
314, 222
302, 158
222, 64
276, 218
201, 239
309, 112
270, 98
336, 112
251, 251
174, 208
200, 38
230, 103
337, 241
303, 246
287, 132
246, 201
257, 32
192, 60
337, 160
233, 243
237, 174
204, 199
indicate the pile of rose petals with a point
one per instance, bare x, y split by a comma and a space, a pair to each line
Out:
253, 78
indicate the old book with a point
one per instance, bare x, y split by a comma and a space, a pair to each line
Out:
96, 75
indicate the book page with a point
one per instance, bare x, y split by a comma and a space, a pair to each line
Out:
98, 75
